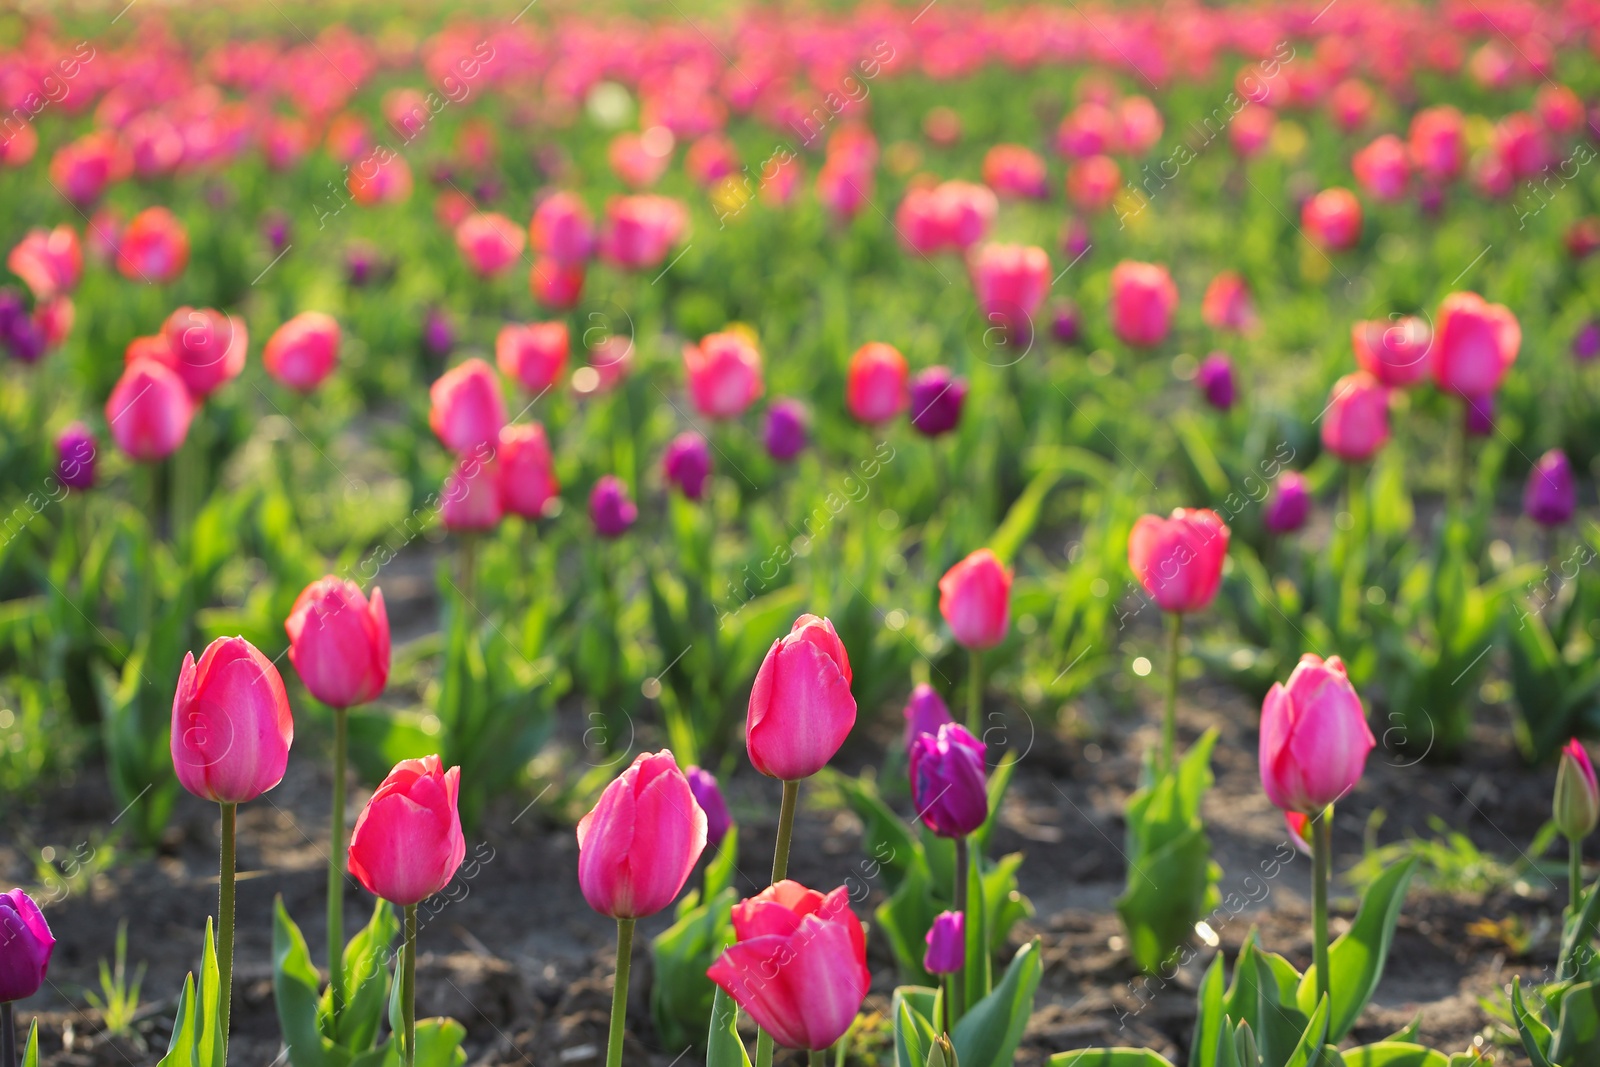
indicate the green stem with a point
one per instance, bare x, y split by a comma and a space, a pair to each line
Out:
469, 567
958, 981
336, 858
975, 693
780, 871
619, 992
1575, 874
1356, 501
225, 874
1169, 714
1457, 468
949, 1015
408, 987
817, 1058
1321, 867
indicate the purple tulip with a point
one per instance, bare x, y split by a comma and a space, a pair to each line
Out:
1076, 239
1065, 325
610, 508
26, 942
360, 264
1479, 415
925, 712
1586, 344
438, 334
1551, 496
788, 429
1215, 377
1289, 505
75, 453
947, 944
19, 332
276, 230
687, 464
948, 781
936, 400
709, 796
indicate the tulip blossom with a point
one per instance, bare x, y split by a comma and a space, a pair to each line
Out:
1250, 131
49, 262
1559, 109
937, 397
1141, 124
1395, 351
1522, 146
1550, 496
947, 944
562, 230
1010, 282
1227, 304
153, 247
724, 374
1064, 327
467, 410
801, 708
1143, 299
708, 795
788, 427
611, 510
1351, 103
1178, 560
207, 348
339, 642
638, 845
407, 842
1090, 129
1576, 808
556, 285
526, 470
1474, 344
1012, 170
799, 965
470, 500
149, 411
875, 383
949, 784
489, 242
75, 457
382, 177
687, 464
925, 712
1092, 183
1215, 379
438, 333
534, 354
1356, 423
231, 727
1314, 737
303, 351
1477, 415
1383, 168
641, 230
975, 600
1332, 220
1437, 142
1289, 505
28, 945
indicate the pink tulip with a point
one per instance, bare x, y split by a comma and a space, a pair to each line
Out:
641, 230
710, 159
470, 500
1522, 146
1383, 168
637, 160
1475, 343
556, 285
231, 727
527, 471
1178, 560
489, 242
1010, 282
975, 600
207, 348
876, 383
149, 410
1143, 299
1314, 737
562, 230
1559, 109
1090, 129
467, 410
1140, 123
339, 643
1395, 351
153, 247
82, 169
799, 966
724, 374
1332, 220
1356, 424
1092, 183
1251, 130
534, 354
1227, 304
48, 261
801, 709
383, 177
638, 845
1351, 104
1437, 142
1014, 171
407, 843
303, 351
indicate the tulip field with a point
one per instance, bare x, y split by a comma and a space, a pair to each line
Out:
886, 533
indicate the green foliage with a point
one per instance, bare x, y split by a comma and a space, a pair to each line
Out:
314, 1034
118, 999
990, 1031
681, 996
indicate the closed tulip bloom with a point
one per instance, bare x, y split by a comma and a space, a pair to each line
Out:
556, 285
1314, 736
1351, 103
1178, 560
1092, 183
1298, 823
1332, 219
947, 944
1090, 129
303, 351
1586, 342
75, 457
1250, 131
1012, 170
1143, 299
1289, 505
1477, 415
1437, 142
527, 470
534, 354
1550, 496
1383, 168
1356, 424
48, 261
1141, 124
787, 430
379, 180
1228, 305
207, 348
875, 383
339, 642
467, 410
703, 784
1394, 351
949, 784
1215, 379
562, 229
937, 397
975, 600
638, 845
799, 966
641, 230
925, 712
1474, 345
438, 333
1065, 327
149, 411
153, 247
687, 464
1576, 806
611, 510
724, 374
407, 843
489, 242
801, 708
231, 727
1010, 282
470, 499
1559, 109
25, 957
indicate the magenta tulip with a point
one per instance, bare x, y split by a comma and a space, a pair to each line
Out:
947, 944
562, 230
1314, 737
231, 726
303, 351
1332, 220
1393, 351
149, 411
975, 600
876, 389
611, 509
1475, 343
1215, 379
28, 943
207, 348
1383, 168
1550, 496
687, 464
1289, 505
467, 410
924, 713
724, 374
76, 452
1143, 299
407, 843
638, 845
1178, 560
339, 643
709, 796
949, 782
534, 355
801, 709
937, 397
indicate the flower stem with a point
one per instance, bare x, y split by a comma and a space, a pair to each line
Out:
225, 874
336, 858
780, 871
408, 987
817, 1058
8, 1036
469, 568
958, 981
1575, 873
1169, 714
619, 992
949, 1015
975, 692
1321, 867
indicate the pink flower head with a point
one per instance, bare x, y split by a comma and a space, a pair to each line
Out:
1178, 560
1314, 737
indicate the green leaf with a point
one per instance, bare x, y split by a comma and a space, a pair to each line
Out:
181, 1049
988, 1034
914, 1030
1577, 1033
1310, 1044
905, 919
1281, 1028
886, 837
1356, 958
1536, 1037
294, 988
1578, 934
977, 972
681, 996
721, 868
211, 1051
1395, 1054
1022, 517
1109, 1057
1408, 1033
999, 782
366, 979
30, 1053
723, 1047
1208, 1016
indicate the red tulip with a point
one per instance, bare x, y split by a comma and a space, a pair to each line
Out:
724, 373
407, 842
641, 841
207, 348
470, 499
535, 354
1356, 423
975, 600
1383, 168
1178, 560
1314, 737
48, 261
527, 471
153, 247
799, 966
1143, 299
556, 285
339, 643
467, 410
303, 351
231, 727
149, 411
1475, 343
1014, 171
801, 709
1227, 304
562, 230
1332, 219
1395, 352
876, 388
489, 242
1092, 183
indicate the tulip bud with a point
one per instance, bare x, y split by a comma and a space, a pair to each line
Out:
1382, 168
339, 643
875, 384
470, 499
1010, 282
975, 600
208, 348
1438, 142
1314, 737
610, 508
303, 351
687, 464
1586, 342
1475, 343
407, 842
1143, 298
724, 374
562, 229
535, 354
638, 845
26, 948
1227, 304
149, 411
801, 708
438, 334
1065, 325
1550, 497
1356, 424
925, 712
709, 796
466, 408
1215, 378
949, 783
1289, 505
1394, 352
942, 1053
641, 230
1178, 560
1576, 806
48, 261
231, 726
527, 470
1014, 171
947, 946
489, 242
787, 430
1332, 220
556, 285
75, 456
153, 247
936, 400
